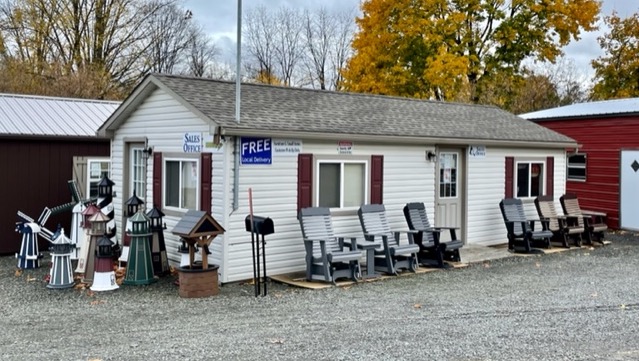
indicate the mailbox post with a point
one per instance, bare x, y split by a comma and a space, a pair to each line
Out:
259, 226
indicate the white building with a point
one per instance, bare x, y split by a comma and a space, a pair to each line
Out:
175, 141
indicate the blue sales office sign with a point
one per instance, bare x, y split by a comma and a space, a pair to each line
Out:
256, 150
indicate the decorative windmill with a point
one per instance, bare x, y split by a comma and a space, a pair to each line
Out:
61, 275
158, 246
133, 205
29, 255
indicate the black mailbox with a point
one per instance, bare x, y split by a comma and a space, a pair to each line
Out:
261, 225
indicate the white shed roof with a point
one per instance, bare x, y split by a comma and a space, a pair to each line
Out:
49, 116
605, 107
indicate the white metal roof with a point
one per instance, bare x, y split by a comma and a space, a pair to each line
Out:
605, 107
50, 116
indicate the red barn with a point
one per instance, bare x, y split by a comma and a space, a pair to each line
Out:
604, 170
44, 142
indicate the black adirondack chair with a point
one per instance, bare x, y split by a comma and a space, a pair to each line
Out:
327, 256
563, 228
593, 224
522, 235
390, 255
432, 252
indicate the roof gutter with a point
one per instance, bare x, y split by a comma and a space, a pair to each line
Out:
396, 139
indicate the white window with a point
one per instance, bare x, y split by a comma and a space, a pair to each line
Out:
447, 175
96, 169
530, 179
341, 184
576, 164
138, 172
181, 180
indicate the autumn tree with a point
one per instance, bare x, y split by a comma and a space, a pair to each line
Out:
617, 71
445, 49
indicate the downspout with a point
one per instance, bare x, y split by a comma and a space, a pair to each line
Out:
238, 80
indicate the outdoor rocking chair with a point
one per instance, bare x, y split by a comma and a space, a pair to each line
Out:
431, 249
522, 236
327, 259
562, 227
390, 255
592, 224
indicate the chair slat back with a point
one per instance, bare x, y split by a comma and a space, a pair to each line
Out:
546, 208
570, 204
417, 219
512, 209
316, 224
373, 220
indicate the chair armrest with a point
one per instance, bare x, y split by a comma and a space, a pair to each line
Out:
593, 213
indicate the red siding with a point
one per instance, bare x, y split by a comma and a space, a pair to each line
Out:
35, 174
602, 141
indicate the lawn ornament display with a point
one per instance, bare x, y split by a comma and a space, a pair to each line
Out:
29, 255
198, 228
98, 223
133, 205
158, 246
139, 266
83, 255
61, 274
104, 275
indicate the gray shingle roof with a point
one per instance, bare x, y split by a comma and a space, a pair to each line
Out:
48, 116
282, 109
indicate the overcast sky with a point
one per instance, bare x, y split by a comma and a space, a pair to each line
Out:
219, 19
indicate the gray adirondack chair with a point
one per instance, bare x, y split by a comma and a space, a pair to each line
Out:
593, 224
327, 258
562, 227
522, 235
431, 249
390, 254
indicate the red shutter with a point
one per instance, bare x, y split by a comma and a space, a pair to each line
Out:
206, 171
304, 181
550, 176
510, 172
157, 179
377, 179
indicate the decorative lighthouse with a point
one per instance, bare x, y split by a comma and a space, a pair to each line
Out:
139, 269
83, 255
133, 205
29, 256
158, 247
61, 275
105, 203
98, 229
104, 276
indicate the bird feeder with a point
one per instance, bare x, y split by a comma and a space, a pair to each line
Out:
133, 205
87, 213
139, 269
61, 275
158, 246
98, 229
104, 275
198, 229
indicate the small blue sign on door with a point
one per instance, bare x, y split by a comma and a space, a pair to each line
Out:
256, 150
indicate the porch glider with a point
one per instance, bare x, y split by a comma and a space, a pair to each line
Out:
390, 254
592, 224
327, 259
563, 228
431, 249
522, 236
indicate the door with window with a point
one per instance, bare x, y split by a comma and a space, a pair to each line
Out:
135, 175
449, 191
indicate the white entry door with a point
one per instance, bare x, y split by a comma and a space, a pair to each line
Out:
629, 190
449, 191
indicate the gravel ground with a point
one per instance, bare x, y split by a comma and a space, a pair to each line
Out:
576, 305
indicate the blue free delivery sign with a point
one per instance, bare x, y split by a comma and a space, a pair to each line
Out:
256, 150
